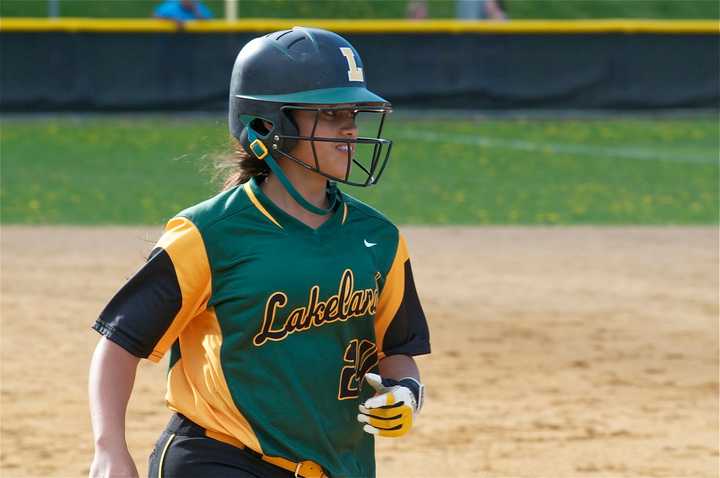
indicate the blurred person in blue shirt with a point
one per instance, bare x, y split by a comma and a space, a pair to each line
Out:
182, 10
480, 10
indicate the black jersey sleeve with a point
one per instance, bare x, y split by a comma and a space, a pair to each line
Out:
148, 313
400, 323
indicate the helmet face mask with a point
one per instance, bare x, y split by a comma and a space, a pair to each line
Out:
305, 70
366, 165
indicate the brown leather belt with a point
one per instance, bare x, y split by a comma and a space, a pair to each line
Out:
303, 469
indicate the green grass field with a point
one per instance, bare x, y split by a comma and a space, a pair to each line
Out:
143, 169
550, 9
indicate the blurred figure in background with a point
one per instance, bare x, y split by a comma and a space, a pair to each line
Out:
417, 9
480, 10
182, 10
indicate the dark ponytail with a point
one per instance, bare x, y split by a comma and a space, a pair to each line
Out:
238, 167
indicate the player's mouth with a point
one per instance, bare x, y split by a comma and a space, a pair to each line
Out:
345, 147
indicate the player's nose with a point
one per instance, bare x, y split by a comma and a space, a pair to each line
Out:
349, 127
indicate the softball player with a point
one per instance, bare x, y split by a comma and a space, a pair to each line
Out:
288, 307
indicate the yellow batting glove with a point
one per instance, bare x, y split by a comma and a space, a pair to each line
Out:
390, 413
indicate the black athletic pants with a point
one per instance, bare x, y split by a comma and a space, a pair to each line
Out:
183, 451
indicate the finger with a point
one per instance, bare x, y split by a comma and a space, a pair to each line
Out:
380, 400
363, 418
384, 412
387, 423
375, 381
392, 433
371, 430
375, 410
396, 432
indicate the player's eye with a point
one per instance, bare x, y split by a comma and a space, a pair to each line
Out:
336, 116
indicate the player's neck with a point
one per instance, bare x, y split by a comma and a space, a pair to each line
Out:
311, 186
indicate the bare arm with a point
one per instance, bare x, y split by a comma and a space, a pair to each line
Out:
112, 376
398, 367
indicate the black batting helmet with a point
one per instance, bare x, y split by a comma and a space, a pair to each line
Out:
302, 69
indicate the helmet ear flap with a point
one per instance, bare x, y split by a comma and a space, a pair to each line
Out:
250, 139
286, 127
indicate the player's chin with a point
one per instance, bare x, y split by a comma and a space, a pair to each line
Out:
336, 164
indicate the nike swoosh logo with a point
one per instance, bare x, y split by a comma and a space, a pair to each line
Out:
369, 244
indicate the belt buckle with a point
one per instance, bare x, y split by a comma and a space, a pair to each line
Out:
313, 470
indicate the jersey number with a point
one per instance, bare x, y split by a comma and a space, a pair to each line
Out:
360, 357
354, 73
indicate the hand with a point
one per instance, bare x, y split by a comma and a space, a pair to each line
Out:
113, 463
390, 413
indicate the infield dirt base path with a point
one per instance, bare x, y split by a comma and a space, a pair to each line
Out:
563, 352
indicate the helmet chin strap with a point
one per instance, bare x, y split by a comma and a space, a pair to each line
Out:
275, 167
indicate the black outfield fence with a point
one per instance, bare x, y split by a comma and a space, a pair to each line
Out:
125, 65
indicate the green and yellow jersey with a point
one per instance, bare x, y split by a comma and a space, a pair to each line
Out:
271, 325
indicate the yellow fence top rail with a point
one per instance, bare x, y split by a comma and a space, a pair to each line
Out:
260, 25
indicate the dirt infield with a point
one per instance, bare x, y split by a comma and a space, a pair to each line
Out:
563, 352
